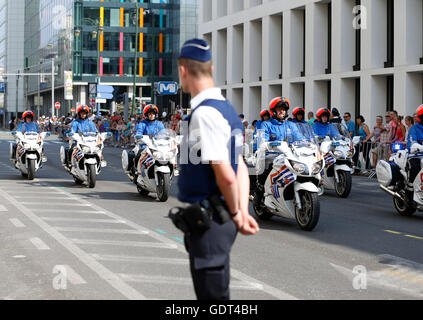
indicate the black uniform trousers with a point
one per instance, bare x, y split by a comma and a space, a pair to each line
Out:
415, 168
209, 260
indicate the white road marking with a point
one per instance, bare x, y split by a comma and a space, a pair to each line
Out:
140, 278
101, 230
17, 223
3, 208
55, 204
19, 257
68, 211
279, 294
39, 244
112, 221
42, 198
73, 277
114, 280
125, 243
118, 258
401, 275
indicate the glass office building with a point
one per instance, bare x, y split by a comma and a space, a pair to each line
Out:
114, 41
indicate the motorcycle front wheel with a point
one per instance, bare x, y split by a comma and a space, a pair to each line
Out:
92, 175
163, 188
308, 216
31, 169
343, 187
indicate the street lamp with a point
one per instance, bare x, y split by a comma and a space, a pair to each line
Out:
95, 35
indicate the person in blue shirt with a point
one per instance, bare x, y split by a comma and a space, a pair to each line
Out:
322, 127
82, 124
350, 124
299, 115
265, 116
278, 129
415, 135
150, 126
28, 124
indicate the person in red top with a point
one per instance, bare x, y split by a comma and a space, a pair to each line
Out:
398, 130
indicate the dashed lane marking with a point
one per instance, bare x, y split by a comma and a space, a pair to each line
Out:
17, 223
39, 244
153, 260
112, 221
102, 230
3, 208
56, 204
140, 278
104, 273
160, 245
404, 234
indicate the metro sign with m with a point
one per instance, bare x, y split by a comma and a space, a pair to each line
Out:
167, 88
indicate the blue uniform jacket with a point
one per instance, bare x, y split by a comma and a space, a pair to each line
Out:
84, 126
302, 121
323, 130
415, 135
149, 128
28, 127
275, 130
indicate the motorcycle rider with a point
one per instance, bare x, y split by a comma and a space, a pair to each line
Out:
415, 135
150, 126
299, 114
322, 127
28, 125
276, 129
80, 124
265, 116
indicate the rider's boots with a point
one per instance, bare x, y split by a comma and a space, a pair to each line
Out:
409, 196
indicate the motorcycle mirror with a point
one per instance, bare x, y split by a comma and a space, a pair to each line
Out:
70, 134
14, 133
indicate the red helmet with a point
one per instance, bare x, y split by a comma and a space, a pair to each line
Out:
28, 114
266, 112
279, 102
420, 114
322, 112
297, 111
149, 108
82, 108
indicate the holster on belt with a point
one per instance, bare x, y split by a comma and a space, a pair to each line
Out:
196, 218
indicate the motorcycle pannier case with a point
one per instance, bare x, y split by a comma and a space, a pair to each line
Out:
388, 173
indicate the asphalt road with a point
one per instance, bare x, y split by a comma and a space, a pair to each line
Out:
63, 241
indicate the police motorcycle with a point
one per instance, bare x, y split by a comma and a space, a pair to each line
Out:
86, 160
151, 164
393, 177
28, 154
338, 152
291, 187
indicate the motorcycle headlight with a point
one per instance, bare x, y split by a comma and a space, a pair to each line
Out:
157, 154
350, 153
26, 145
317, 167
86, 149
338, 154
298, 166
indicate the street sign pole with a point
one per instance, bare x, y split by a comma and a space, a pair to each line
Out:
52, 87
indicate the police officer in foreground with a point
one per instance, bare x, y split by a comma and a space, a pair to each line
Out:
28, 125
213, 179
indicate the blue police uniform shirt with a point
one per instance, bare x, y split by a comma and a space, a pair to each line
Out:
149, 128
415, 135
216, 124
275, 130
323, 130
84, 126
28, 127
296, 121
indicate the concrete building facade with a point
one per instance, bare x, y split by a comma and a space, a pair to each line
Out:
12, 55
361, 56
